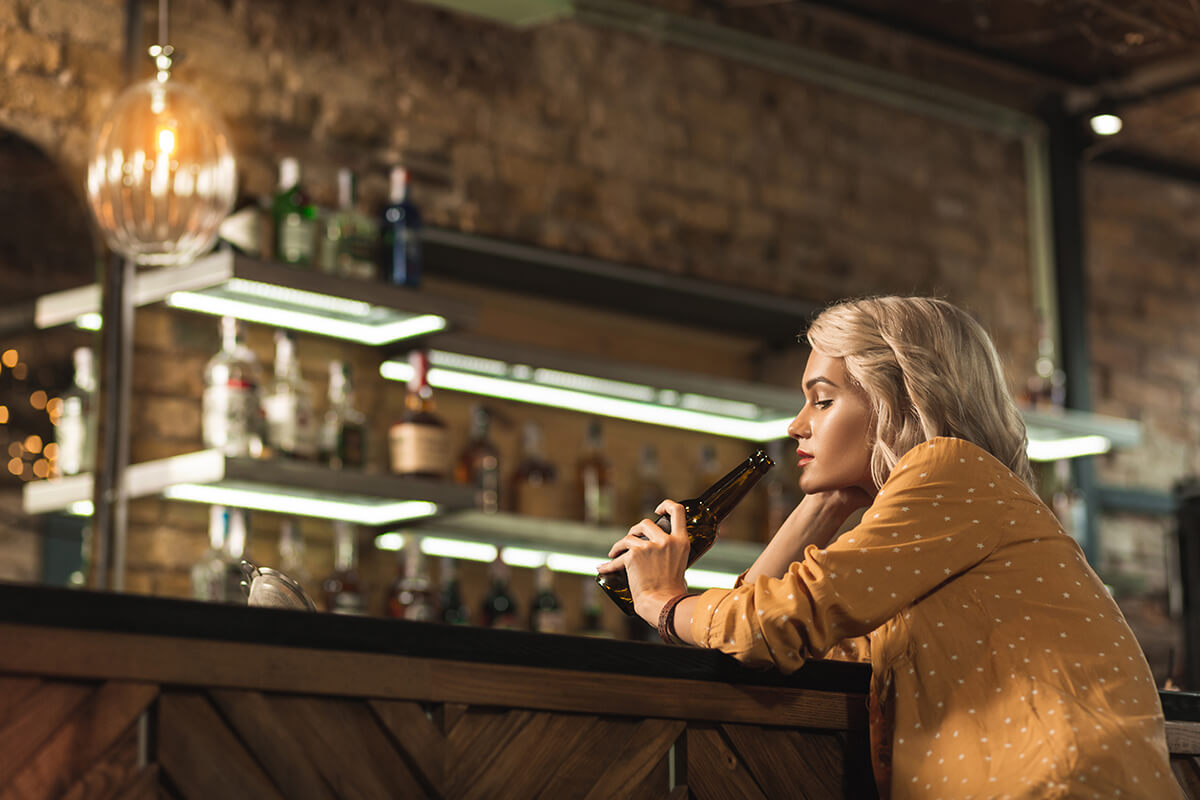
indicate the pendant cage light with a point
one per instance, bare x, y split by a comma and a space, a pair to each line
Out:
162, 175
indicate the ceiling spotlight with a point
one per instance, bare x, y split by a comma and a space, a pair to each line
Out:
1105, 124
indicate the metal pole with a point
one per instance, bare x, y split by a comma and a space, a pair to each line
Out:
110, 501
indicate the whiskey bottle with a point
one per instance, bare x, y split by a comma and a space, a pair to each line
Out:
534, 485
702, 514
347, 235
499, 608
294, 217
291, 420
232, 417
342, 441
419, 440
478, 464
75, 432
453, 610
594, 484
411, 595
400, 235
342, 589
546, 614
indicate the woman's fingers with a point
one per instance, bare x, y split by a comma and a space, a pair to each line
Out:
676, 514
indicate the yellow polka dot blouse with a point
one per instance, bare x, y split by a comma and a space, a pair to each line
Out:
1001, 665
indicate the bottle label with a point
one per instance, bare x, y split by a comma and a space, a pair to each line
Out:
71, 434
295, 239
229, 418
549, 621
351, 603
419, 449
539, 499
291, 424
597, 503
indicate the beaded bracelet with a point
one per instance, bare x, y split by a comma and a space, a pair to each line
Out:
666, 618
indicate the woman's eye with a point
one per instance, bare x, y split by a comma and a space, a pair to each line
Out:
822, 403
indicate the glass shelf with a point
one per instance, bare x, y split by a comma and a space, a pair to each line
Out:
225, 283
276, 485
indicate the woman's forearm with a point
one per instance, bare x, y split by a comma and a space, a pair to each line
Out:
815, 520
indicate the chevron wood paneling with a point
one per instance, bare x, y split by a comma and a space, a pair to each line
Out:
87, 741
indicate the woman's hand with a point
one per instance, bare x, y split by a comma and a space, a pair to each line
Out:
654, 561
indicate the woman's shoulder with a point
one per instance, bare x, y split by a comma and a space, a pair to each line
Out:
946, 457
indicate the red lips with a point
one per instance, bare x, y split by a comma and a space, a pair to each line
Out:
804, 458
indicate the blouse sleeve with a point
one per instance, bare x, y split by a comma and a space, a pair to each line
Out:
929, 523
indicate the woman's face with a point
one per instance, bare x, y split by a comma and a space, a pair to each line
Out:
832, 431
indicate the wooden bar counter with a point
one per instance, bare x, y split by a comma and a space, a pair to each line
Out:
120, 696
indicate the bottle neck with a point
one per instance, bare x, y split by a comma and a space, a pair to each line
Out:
235, 544
285, 357
722, 496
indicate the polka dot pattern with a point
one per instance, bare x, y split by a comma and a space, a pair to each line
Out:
1001, 665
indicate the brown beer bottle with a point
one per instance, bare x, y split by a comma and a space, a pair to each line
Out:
703, 514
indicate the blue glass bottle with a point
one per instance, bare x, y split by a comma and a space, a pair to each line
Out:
400, 235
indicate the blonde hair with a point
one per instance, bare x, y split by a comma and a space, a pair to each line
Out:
928, 369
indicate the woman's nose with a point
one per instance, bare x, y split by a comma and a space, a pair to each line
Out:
798, 427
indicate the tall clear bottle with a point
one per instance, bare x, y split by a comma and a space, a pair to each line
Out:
218, 576
232, 416
594, 481
703, 514
343, 588
342, 441
294, 217
292, 552
75, 431
348, 236
478, 464
400, 260
419, 440
291, 419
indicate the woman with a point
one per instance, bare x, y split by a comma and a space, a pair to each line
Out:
1001, 666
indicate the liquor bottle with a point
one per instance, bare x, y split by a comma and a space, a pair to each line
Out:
292, 552
594, 484
499, 608
478, 464
217, 577
546, 615
419, 441
782, 492
348, 236
342, 441
294, 217
343, 591
593, 614
411, 594
534, 483
232, 418
648, 488
453, 610
400, 235
291, 420
75, 433
702, 514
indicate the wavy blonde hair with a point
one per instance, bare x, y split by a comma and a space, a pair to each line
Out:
928, 369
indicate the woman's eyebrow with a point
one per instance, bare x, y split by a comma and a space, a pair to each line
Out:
811, 382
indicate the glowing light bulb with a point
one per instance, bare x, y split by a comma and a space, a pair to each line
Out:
166, 142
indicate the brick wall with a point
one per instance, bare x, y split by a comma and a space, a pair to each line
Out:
566, 136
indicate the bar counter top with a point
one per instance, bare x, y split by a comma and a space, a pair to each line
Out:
157, 697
